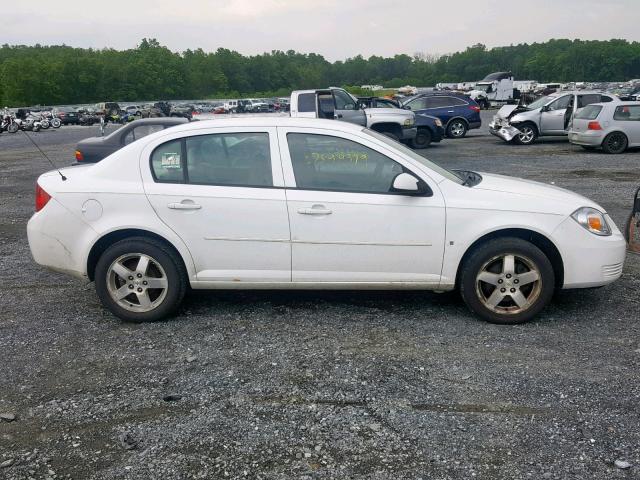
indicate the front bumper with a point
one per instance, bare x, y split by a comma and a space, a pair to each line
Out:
590, 260
408, 133
504, 131
590, 138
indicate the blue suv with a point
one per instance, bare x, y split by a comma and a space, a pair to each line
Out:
457, 112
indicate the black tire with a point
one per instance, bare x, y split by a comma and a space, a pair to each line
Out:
457, 128
422, 140
615, 142
539, 291
528, 134
163, 255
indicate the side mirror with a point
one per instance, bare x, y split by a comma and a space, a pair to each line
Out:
405, 182
545, 108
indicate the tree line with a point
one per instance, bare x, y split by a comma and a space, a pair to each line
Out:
50, 75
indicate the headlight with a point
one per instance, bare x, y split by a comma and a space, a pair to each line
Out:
438, 122
409, 121
593, 220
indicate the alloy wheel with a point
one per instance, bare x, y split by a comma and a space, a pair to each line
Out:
526, 135
457, 129
508, 284
137, 282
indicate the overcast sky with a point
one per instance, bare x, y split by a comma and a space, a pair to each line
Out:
336, 29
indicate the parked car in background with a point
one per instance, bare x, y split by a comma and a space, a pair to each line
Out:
134, 110
195, 206
458, 113
251, 105
612, 126
549, 115
338, 104
67, 115
378, 102
94, 149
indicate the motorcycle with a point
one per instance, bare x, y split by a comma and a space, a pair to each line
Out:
52, 119
8, 123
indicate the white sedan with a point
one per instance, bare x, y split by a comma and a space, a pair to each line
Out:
274, 202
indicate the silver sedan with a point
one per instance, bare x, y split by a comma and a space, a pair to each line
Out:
612, 126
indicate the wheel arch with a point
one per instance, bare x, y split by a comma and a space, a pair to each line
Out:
391, 127
457, 118
536, 238
114, 236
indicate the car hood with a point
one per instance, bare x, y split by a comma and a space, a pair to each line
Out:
543, 197
389, 111
505, 111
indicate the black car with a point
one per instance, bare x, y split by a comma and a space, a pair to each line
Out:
67, 115
94, 149
378, 102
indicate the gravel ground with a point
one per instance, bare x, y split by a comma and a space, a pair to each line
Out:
276, 385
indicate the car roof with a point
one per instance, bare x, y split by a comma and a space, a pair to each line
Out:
269, 121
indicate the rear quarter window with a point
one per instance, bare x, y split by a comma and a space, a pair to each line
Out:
590, 112
307, 102
627, 113
167, 163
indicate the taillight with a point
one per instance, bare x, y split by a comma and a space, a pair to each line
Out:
42, 198
475, 108
594, 126
79, 156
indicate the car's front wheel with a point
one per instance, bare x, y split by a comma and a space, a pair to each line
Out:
528, 134
507, 281
140, 280
422, 140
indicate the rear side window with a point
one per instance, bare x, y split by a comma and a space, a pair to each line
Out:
417, 104
235, 159
627, 113
584, 100
167, 162
307, 102
590, 112
229, 159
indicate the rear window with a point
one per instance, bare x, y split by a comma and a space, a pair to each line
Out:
590, 112
307, 102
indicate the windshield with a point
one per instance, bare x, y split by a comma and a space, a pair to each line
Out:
481, 87
449, 175
541, 102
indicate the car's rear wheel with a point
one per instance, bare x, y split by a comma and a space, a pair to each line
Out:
507, 281
422, 140
615, 142
456, 129
528, 134
140, 280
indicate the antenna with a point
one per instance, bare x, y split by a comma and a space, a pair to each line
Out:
45, 156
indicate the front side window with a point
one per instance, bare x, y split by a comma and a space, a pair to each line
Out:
560, 104
627, 113
343, 100
417, 104
323, 162
225, 159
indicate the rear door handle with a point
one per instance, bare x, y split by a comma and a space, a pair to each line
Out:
184, 206
338, 115
449, 111
314, 211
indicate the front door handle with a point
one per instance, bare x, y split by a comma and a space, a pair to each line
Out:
338, 115
184, 206
315, 210
449, 111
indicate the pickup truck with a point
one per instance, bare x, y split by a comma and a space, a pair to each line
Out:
337, 103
